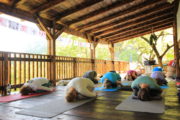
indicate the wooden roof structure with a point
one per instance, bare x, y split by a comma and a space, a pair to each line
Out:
106, 21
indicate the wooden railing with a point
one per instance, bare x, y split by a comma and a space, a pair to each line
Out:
17, 68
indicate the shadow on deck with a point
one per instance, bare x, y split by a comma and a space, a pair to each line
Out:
103, 108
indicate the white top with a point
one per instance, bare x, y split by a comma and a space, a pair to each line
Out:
36, 84
81, 85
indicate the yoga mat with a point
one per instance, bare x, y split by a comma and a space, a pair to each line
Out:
164, 87
52, 108
103, 89
126, 83
19, 96
154, 106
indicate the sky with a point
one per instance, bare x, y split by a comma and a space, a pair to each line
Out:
17, 41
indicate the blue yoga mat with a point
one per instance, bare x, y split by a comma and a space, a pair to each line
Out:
103, 89
126, 84
164, 87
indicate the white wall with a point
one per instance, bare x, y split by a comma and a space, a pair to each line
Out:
178, 22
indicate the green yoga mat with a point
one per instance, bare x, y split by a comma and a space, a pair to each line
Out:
154, 106
52, 108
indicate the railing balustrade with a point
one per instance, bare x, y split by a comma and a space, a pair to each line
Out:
17, 68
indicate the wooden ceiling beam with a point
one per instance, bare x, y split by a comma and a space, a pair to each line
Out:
141, 31
44, 28
134, 23
81, 6
141, 34
46, 6
144, 14
115, 5
142, 6
176, 3
14, 3
29, 17
144, 26
16, 12
120, 30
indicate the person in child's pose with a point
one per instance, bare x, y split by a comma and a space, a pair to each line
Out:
131, 75
158, 75
79, 88
145, 88
92, 75
111, 79
36, 85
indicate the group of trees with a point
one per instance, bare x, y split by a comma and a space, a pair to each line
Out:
69, 47
156, 46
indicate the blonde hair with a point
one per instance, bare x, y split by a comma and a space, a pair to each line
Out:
71, 95
26, 90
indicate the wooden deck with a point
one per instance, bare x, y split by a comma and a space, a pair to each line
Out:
103, 108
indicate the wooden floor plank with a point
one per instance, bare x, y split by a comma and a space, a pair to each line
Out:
103, 108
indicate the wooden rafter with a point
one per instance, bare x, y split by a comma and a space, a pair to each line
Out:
71, 31
59, 32
14, 3
139, 15
100, 11
138, 25
46, 6
142, 32
16, 12
131, 10
76, 8
44, 28
134, 23
102, 24
132, 31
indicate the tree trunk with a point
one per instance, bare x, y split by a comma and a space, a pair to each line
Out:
160, 61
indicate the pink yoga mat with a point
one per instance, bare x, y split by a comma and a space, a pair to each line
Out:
19, 96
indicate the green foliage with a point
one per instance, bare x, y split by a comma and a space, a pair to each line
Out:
72, 50
140, 49
129, 51
69, 48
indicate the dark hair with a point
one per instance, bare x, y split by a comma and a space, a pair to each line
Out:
26, 90
113, 71
143, 94
107, 84
91, 75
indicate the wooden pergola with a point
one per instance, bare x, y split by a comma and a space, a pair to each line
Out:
98, 21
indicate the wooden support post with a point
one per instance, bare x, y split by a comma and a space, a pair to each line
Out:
111, 49
52, 35
74, 67
176, 49
93, 54
5, 74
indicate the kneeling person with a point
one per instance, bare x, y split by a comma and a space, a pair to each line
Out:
79, 88
92, 75
36, 85
111, 79
145, 88
158, 75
